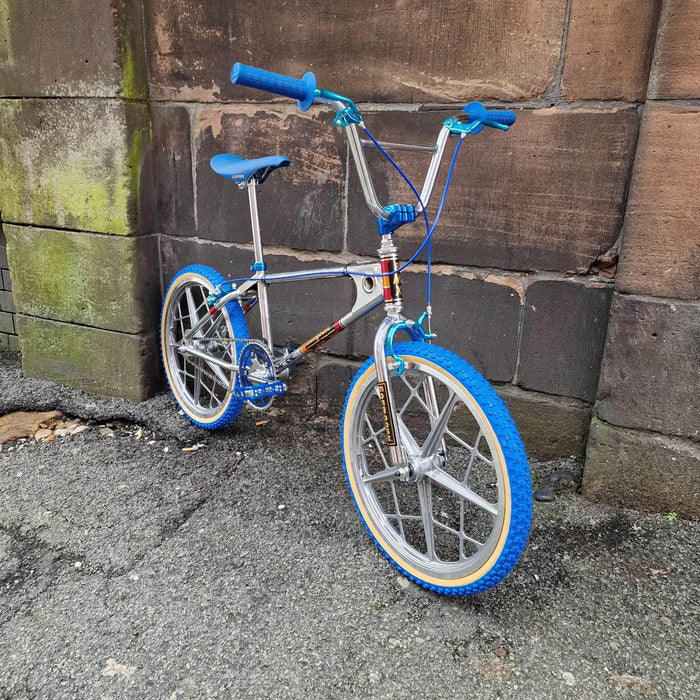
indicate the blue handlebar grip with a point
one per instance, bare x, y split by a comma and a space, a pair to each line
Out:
303, 91
477, 112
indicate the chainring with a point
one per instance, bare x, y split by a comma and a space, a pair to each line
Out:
255, 367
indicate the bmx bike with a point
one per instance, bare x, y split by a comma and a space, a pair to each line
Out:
434, 462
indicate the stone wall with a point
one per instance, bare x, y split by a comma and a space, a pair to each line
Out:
526, 254
644, 447
518, 288
8, 328
76, 193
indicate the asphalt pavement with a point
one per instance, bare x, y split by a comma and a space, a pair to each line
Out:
153, 559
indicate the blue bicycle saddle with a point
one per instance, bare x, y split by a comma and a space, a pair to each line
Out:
241, 170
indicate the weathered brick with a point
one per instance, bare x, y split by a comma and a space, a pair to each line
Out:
477, 319
80, 164
7, 302
551, 427
6, 280
562, 338
609, 48
391, 50
661, 246
635, 469
172, 165
675, 72
7, 322
548, 195
649, 376
96, 280
72, 48
300, 206
298, 310
97, 361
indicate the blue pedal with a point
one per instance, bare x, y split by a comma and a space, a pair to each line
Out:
260, 390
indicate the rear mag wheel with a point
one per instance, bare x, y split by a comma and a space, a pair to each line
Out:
201, 386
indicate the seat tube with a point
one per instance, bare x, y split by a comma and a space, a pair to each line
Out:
259, 263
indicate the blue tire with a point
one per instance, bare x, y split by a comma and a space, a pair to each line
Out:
201, 388
457, 518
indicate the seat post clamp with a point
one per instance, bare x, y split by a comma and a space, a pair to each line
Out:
258, 267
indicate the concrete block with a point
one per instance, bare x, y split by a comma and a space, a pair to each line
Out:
300, 206
547, 195
635, 469
109, 282
675, 72
7, 322
563, 336
172, 163
478, 319
649, 375
6, 280
13, 343
661, 246
609, 48
7, 302
386, 51
299, 310
78, 164
551, 427
72, 48
97, 361
3, 256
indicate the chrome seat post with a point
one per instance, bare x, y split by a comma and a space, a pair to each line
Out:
259, 266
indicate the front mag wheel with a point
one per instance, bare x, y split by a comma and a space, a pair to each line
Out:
201, 384
457, 517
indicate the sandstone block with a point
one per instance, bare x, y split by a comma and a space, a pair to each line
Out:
634, 469
78, 164
7, 302
551, 427
96, 280
609, 48
72, 48
649, 376
388, 51
675, 72
661, 246
172, 163
333, 378
7, 322
300, 206
6, 280
562, 338
299, 310
97, 361
547, 195
478, 319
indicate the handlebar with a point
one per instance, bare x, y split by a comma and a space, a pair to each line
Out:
303, 91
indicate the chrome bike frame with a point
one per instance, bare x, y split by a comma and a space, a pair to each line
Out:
369, 293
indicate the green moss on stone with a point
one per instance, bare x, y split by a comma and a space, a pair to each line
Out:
129, 80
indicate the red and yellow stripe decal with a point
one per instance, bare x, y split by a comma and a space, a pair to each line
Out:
322, 337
